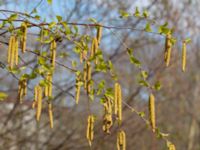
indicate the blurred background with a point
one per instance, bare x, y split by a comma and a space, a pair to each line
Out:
177, 103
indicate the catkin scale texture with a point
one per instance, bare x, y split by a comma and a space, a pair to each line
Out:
152, 118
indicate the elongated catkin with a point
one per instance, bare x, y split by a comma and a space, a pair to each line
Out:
121, 140
168, 48
89, 71
53, 52
39, 102
78, 88
99, 34
50, 115
90, 129
22, 89
24, 37
184, 56
118, 102
152, 117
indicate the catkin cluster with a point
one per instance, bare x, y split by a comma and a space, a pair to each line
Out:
38, 101
87, 76
107, 120
118, 102
53, 53
48, 87
50, 114
13, 51
152, 117
184, 56
121, 140
22, 89
90, 129
23, 37
168, 49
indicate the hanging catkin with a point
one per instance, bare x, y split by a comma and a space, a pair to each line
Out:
13, 52
168, 48
85, 75
78, 88
118, 102
121, 140
48, 87
39, 102
53, 52
50, 114
171, 146
152, 118
35, 96
90, 129
89, 69
107, 120
184, 54
22, 89
24, 37
99, 34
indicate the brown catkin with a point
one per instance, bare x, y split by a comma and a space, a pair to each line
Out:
90, 129
184, 54
24, 37
121, 140
22, 89
99, 34
50, 114
168, 48
35, 96
39, 103
152, 117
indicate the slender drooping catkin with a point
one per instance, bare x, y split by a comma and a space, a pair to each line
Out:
22, 89
168, 48
99, 34
24, 37
39, 102
118, 102
85, 75
35, 96
184, 54
107, 119
50, 114
121, 140
78, 88
90, 129
53, 52
89, 71
48, 87
152, 117
13, 52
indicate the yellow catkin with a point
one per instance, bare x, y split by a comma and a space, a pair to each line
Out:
50, 115
48, 87
99, 34
121, 140
171, 146
78, 88
168, 48
85, 75
39, 103
12, 57
90, 129
10, 49
119, 105
81, 57
107, 120
152, 117
89, 70
24, 37
184, 53
115, 98
16, 52
35, 96
53, 53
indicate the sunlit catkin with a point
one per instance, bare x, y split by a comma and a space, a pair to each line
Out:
78, 88
168, 48
121, 140
39, 102
48, 87
16, 52
116, 98
99, 34
85, 75
24, 37
90, 129
152, 117
107, 119
171, 146
50, 114
118, 102
89, 71
10, 49
184, 53
53, 52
